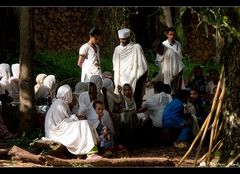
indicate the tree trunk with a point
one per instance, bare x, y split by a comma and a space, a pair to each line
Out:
168, 16
26, 108
231, 114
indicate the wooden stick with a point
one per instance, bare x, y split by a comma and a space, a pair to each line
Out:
213, 108
212, 138
193, 143
233, 161
219, 145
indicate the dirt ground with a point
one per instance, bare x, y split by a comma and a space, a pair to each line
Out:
132, 151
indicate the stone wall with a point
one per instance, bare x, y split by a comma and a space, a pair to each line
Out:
66, 29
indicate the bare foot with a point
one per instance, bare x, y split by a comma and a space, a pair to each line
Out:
94, 156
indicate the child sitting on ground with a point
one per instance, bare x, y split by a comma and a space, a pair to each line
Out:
105, 135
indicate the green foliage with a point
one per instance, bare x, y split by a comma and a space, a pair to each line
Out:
9, 57
106, 64
62, 65
206, 66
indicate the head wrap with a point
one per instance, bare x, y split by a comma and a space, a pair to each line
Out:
124, 33
64, 92
15, 70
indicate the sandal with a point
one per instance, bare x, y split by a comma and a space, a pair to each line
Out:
93, 156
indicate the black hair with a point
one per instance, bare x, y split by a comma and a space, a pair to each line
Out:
97, 102
94, 31
183, 94
158, 86
171, 29
167, 89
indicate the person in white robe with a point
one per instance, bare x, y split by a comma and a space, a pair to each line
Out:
156, 104
46, 92
64, 127
172, 43
14, 82
39, 81
79, 88
5, 74
170, 67
89, 57
130, 65
101, 95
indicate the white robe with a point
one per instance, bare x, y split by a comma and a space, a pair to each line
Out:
129, 64
155, 106
170, 66
76, 135
89, 67
176, 47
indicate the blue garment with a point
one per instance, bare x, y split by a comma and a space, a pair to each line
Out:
173, 117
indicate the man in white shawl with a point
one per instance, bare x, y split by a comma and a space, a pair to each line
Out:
64, 127
170, 67
130, 65
172, 43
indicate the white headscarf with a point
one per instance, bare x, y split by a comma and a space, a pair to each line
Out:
5, 74
64, 92
50, 82
80, 87
97, 79
15, 70
39, 80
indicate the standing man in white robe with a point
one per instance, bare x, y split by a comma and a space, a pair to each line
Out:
130, 65
170, 67
89, 58
172, 43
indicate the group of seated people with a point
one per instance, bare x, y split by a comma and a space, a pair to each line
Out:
90, 119
9, 96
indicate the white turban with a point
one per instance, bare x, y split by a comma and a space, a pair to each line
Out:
124, 33
64, 92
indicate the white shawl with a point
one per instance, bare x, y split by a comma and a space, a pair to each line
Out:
129, 64
63, 127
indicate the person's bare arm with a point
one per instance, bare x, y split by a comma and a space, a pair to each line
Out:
81, 60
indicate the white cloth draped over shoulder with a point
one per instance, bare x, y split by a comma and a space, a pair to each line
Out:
91, 64
129, 64
170, 66
64, 127
155, 106
176, 47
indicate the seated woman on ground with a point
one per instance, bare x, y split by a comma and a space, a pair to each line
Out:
4, 132
78, 136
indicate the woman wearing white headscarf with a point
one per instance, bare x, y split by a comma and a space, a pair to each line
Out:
5, 74
39, 81
47, 91
79, 88
106, 119
64, 127
14, 82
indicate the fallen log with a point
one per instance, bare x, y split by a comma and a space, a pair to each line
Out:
20, 154
103, 162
